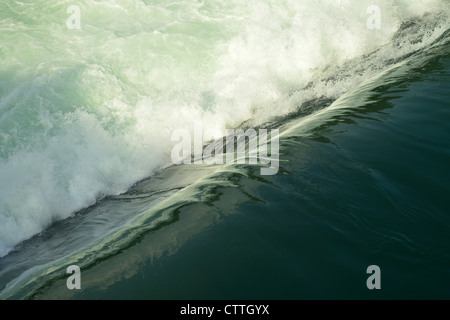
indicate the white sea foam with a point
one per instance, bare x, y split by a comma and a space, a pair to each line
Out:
86, 113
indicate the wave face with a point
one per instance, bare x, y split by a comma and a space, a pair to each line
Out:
86, 113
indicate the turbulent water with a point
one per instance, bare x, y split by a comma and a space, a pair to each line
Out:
86, 175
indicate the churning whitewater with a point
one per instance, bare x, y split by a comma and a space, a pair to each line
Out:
87, 112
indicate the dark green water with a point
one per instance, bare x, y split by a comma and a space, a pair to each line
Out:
365, 184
